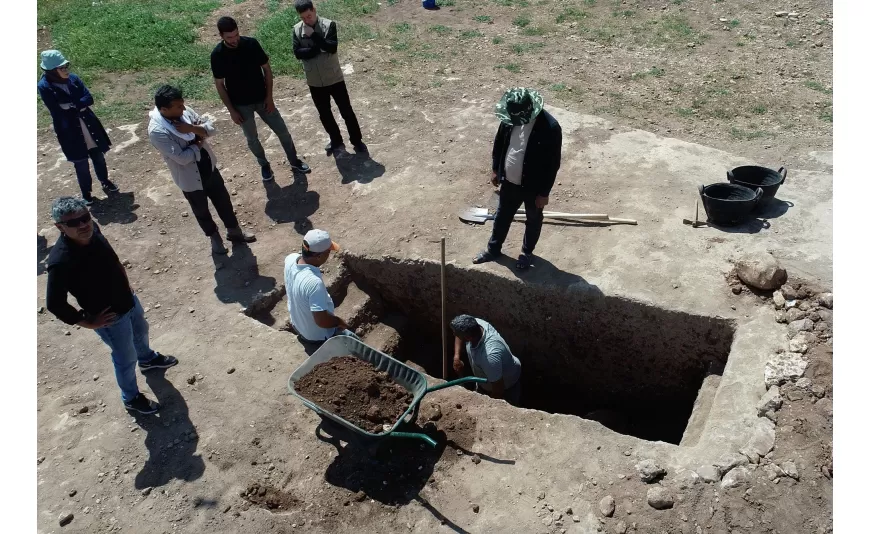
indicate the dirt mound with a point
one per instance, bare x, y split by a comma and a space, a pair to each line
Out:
353, 389
269, 497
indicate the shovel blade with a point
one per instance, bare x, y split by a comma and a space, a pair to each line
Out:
474, 215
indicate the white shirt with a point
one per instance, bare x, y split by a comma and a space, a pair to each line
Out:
516, 152
306, 293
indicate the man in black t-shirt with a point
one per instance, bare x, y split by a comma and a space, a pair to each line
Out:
243, 79
83, 264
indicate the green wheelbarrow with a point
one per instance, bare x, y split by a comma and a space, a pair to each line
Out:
407, 377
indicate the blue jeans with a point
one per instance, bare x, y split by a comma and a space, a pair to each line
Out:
275, 122
128, 339
83, 171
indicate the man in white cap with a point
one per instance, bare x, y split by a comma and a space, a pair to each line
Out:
311, 307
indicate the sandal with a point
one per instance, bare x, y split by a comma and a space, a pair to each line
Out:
484, 257
524, 261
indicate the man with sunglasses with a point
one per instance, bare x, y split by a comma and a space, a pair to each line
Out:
83, 264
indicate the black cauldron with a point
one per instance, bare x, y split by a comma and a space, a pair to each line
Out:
753, 176
729, 204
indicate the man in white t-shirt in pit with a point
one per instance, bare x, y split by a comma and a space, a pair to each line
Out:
311, 308
490, 358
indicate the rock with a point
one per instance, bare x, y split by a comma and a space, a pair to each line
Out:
575, 518
659, 498
818, 391
146, 492
83, 409
41, 309
773, 471
778, 300
67, 333
621, 528
761, 272
739, 476
826, 472
804, 383
763, 437
804, 325
784, 367
729, 461
65, 519
804, 306
190, 310
826, 300
184, 214
825, 315
96, 377
475, 508
788, 292
781, 13
475, 459
191, 380
650, 471
736, 290
770, 401
813, 316
794, 314
72, 493
790, 470
685, 480
607, 506
709, 473
821, 327
231, 370
781, 317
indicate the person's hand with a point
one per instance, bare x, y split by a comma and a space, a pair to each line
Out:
198, 141
236, 116
270, 105
307, 30
540, 202
458, 365
494, 179
183, 127
104, 318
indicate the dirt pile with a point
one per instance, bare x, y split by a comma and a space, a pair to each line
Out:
268, 497
353, 389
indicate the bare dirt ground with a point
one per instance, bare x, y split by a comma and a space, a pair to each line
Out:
231, 452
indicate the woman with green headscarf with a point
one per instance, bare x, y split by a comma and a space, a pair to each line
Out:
525, 159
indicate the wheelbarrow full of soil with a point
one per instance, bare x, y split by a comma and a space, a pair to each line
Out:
408, 378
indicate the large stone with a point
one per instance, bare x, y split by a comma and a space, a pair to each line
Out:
650, 471
826, 315
788, 292
659, 498
826, 300
770, 401
784, 367
781, 317
763, 437
607, 506
778, 300
761, 271
801, 342
739, 476
804, 325
685, 480
790, 470
794, 314
709, 473
729, 461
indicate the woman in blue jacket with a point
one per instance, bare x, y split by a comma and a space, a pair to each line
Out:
79, 131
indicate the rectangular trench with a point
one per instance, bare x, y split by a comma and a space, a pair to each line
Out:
635, 368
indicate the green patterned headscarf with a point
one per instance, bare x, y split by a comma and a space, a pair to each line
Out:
519, 105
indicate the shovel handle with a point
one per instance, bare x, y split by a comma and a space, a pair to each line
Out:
590, 216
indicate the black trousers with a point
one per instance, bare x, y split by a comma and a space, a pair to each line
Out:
338, 92
212, 188
509, 201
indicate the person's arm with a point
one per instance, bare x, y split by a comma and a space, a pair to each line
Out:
56, 303
86, 98
495, 354
167, 147
498, 148
225, 98
554, 156
329, 42
51, 103
497, 391
303, 52
324, 319
318, 303
457, 355
267, 77
198, 125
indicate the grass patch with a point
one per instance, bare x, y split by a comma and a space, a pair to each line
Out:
391, 80
534, 31
669, 29
791, 44
445, 3
402, 27
589, 3
733, 23
272, 5
497, 40
685, 112
194, 86
827, 112
486, 19
759, 110
816, 86
510, 67
511, 3
624, 13
558, 87
652, 71
434, 84
522, 48
747, 135
440, 29
522, 21
571, 15
470, 34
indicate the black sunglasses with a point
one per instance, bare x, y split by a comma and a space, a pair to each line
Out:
78, 221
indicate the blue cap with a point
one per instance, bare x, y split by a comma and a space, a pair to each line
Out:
52, 59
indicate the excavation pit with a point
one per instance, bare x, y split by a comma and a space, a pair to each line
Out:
637, 369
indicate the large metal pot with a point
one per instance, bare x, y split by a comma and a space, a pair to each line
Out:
729, 204
753, 176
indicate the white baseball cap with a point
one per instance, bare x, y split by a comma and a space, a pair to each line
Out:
318, 241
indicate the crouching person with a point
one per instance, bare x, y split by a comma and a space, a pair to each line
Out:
490, 358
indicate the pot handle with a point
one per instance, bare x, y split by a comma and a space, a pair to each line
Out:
730, 176
701, 189
783, 171
759, 193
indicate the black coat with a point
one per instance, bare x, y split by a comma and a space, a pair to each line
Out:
543, 154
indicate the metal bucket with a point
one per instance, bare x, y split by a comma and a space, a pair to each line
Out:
729, 204
753, 176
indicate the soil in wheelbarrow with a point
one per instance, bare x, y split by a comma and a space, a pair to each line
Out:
354, 390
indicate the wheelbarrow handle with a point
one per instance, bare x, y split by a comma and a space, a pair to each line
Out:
415, 435
455, 383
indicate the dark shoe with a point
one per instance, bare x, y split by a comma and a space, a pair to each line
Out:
484, 257
266, 172
524, 261
360, 147
89, 199
330, 148
300, 166
109, 187
237, 234
160, 362
142, 404
217, 244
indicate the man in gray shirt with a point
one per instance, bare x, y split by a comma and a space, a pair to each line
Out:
490, 357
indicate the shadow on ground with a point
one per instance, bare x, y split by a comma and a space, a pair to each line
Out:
117, 208
42, 251
237, 276
360, 168
171, 439
292, 203
545, 273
